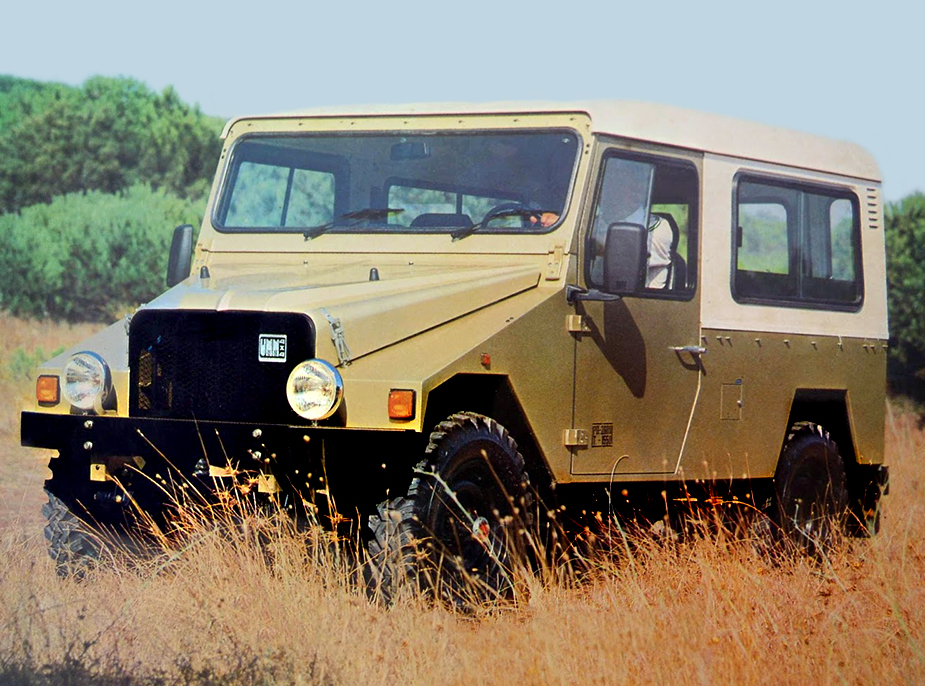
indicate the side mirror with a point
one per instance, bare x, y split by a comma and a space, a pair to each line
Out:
181, 255
625, 253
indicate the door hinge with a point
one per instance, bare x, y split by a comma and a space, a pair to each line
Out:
577, 323
575, 438
554, 262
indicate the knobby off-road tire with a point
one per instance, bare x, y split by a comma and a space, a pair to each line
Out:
810, 491
461, 526
74, 548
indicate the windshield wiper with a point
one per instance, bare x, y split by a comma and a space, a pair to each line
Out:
375, 214
465, 231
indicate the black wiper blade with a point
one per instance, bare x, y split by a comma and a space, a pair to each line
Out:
465, 231
375, 214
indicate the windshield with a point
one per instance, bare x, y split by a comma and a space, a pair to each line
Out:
441, 182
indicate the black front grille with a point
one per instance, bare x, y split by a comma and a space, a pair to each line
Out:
207, 365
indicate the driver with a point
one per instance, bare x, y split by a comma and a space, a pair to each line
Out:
625, 199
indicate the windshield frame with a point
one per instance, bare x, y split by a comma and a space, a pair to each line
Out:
341, 166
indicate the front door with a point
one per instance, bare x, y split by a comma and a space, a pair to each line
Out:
637, 359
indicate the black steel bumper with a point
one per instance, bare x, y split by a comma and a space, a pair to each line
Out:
182, 443
178, 439
352, 461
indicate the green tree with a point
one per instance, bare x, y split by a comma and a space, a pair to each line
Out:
107, 135
905, 242
23, 98
89, 256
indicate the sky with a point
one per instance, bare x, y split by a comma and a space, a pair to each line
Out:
846, 70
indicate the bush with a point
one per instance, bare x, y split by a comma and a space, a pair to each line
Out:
905, 248
89, 257
106, 135
22, 363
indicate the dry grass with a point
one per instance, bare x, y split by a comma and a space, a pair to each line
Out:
218, 608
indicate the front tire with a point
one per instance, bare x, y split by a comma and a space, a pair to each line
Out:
461, 524
811, 490
74, 548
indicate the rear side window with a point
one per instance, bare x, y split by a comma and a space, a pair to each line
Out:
796, 245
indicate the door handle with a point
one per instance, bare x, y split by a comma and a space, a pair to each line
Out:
692, 349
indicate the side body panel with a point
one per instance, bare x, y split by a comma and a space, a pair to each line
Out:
760, 358
536, 354
751, 380
522, 339
762, 367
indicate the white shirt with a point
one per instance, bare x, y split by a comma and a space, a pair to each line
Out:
659, 242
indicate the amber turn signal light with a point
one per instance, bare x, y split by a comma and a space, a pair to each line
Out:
401, 404
47, 390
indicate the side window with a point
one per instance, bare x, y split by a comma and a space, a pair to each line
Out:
796, 245
657, 196
763, 246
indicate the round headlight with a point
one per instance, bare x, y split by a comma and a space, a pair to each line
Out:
314, 389
86, 381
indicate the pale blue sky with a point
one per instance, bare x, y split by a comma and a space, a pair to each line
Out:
847, 69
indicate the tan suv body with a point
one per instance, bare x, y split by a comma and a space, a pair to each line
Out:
621, 294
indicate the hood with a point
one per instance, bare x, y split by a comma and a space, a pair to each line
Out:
370, 314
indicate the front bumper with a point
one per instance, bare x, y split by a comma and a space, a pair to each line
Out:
182, 442
96, 453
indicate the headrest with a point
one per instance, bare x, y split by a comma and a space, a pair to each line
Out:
442, 220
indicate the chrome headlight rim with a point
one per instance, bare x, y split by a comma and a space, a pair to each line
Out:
86, 381
314, 389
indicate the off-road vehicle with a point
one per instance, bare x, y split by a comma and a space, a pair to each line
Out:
434, 317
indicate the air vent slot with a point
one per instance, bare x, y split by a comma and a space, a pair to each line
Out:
874, 211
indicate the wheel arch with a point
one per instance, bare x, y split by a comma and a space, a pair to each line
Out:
831, 409
491, 395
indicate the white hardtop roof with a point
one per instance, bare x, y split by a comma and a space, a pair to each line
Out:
664, 124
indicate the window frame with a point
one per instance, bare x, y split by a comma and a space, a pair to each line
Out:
340, 166
805, 187
693, 221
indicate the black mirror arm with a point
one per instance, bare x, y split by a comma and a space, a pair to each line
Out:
575, 294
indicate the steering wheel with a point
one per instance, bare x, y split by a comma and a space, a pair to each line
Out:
528, 217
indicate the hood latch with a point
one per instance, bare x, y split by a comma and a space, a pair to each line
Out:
337, 336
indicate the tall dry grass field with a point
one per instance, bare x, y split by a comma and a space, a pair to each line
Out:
218, 608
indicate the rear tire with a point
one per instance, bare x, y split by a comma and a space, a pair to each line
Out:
811, 490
